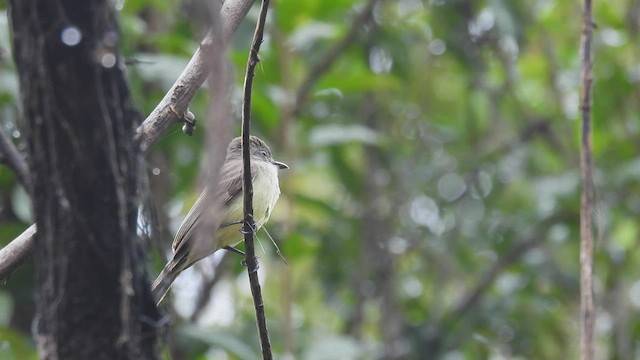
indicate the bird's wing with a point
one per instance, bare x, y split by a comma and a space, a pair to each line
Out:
191, 221
230, 183
229, 187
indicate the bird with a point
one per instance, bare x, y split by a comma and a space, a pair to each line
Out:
189, 246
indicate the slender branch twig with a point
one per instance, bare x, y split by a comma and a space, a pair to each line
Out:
175, 103
156, 124
473, 296
204, 294
249, 223
332, 55
587, 307
18, 250
12, 158
21, 247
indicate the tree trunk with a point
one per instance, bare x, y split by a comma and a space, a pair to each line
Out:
93, 299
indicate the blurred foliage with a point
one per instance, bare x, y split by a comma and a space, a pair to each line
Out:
431, 209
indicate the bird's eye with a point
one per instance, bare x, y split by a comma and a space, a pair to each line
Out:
264, 153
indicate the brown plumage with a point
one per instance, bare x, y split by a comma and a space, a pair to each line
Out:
188, 247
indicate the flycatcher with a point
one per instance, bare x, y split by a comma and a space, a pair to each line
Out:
227, 197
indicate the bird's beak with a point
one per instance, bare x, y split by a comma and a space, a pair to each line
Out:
279, 164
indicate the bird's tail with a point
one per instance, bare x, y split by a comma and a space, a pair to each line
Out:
163, 282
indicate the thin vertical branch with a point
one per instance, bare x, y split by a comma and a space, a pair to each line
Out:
249, 223
587, 307
218, 130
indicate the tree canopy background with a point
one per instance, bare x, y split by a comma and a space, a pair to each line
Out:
432, 204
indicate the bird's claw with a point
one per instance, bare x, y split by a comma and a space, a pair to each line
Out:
243, 262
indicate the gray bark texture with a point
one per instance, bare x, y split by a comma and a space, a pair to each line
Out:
93, 300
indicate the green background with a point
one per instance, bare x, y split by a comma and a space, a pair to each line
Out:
432, 206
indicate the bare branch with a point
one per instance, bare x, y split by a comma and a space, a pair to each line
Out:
327, 61
249, 223
470, 299
587, 307
175, 103
204, 293
16, 252
12, 158
473, 296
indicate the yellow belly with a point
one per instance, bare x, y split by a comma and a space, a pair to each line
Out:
265, 194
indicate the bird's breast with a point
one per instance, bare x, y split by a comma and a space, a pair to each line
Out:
266, 191
265, 194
